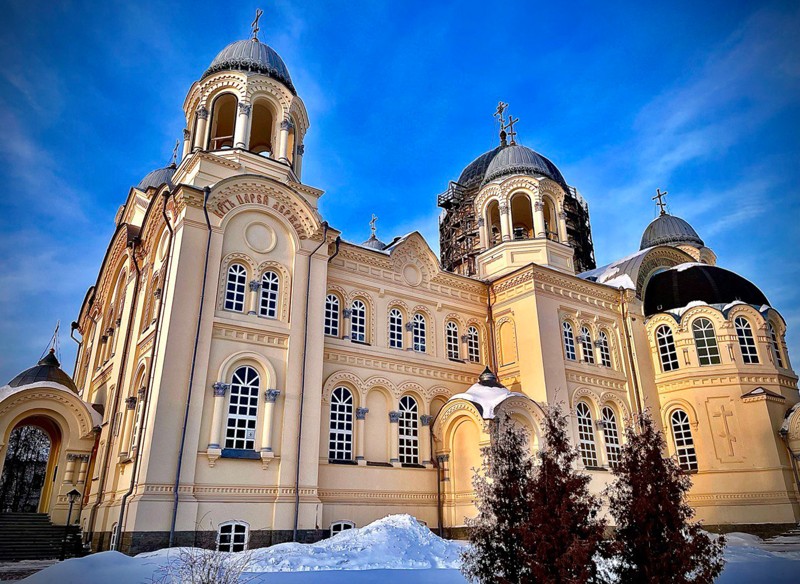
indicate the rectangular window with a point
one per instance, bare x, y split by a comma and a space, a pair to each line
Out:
232, 537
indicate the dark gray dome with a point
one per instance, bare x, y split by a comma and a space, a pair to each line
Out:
156, 178
517, 159
374, 243
475, 170
47, 370
251, 55
666, 229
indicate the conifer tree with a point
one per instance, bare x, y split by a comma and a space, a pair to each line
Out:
655, 540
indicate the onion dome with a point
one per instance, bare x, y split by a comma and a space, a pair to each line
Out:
374, 243
156, 178
667, 229
681, 285
254, 56
487, 394
517, 159
47, 370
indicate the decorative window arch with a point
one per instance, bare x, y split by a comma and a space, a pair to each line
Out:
608, 422
473, 345
408, 430
233, 536
340, 436
747, 342
587, 348
358, 321
452, 340
332, 305
240, 430
569, 341
775, 345
604, 349
418, 332
705, 340
586, 443
667, 353
395, 328
235, 287
340, 526
684, 443
268, 301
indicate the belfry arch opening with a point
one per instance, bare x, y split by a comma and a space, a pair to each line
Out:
223, 122
493, 223
521, 217
30, 465
550, 221
291, 143
262, 129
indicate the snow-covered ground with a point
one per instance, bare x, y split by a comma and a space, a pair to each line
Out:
392, 550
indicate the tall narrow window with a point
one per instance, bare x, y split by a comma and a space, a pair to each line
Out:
240, 432
666, 348
268, 303
684, 443
569, 341
112, 545
451, 340
358, 321
774, 345
706, 342
418, 332
223, 120
586, 444
395, 329
137, 421
473, 345
235, 288
603, 349
747, 343
340, 438
586, 345
232, 537
408, 430
332, 315
611, 436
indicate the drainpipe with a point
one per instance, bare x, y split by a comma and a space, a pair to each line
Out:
150, 375
207, 193
492, 348
303, 377
629, 342
72, 328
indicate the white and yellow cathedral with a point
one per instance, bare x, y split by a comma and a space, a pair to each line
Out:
246, 377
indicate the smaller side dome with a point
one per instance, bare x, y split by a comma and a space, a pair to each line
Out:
47, 370
487, 394
374, 243
517, 159
251, 55
667, 229
154, 179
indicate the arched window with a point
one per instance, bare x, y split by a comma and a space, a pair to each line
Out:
706, 342
232, 536
666, 348
774, 345
604, 350
408, 430
112, 545
550, 224
747, 343
610, 436
340, 438
137, 421
418, 332
332, 315
235, 288
395, 329
268, 302
684, 443
587, 349
358, 321
586, 444
240, 431
473, 345
340, 526
451, 340
223, 121
569, 341
261, 129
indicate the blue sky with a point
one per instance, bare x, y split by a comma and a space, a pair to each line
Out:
698, 98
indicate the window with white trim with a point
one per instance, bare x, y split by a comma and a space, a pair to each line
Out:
340, 436
747, 342
395, 329
706, 342
112, 545
408, 430
451, 340
332, 315
666, 348
235, 286
340, 526
419, 328
586, 444
603, 349
232, 536
684, 443
587, 350
358, 321
268, 301
240, 430
569, 341
473, 345
774, 345
610, 436
137, 421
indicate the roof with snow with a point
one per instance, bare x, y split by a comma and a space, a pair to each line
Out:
487, 394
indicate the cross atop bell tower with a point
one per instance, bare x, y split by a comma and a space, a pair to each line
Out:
254, 24
659, 198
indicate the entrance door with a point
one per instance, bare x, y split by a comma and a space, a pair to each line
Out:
26, 471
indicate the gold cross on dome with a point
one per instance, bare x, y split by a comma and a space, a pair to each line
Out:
660, 200
254, 24
372, 224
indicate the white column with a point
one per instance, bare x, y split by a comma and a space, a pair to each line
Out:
538, 219
562, 227
69, 473
483, 233
425, 439
200, 129
394, 438
218, 412
361, 416
269, 412
298, 161
187, 146
284, 141
505, 222
84, 468
255, 286
240, 131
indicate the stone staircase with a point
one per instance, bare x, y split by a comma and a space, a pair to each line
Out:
31, 536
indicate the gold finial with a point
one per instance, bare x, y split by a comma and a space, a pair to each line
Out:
372, 224
660, 202
254, 24
501, 108
175, 152
510, 127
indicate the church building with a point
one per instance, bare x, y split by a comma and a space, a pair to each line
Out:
246, 377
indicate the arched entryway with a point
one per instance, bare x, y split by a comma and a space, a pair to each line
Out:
30, 465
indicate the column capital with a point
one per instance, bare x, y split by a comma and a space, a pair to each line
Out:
425, 420
481, 222
130, 403
244, 108
301, 149
442, 458
157, 293
255, 285
361, 413
347, 312
503, 208
202, 113
220, 388
562, 215
186, 133
271, 395
538, 206
394, 417
71, 457
286, 125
